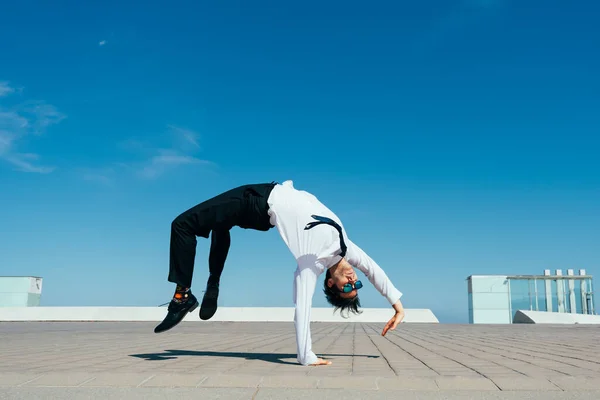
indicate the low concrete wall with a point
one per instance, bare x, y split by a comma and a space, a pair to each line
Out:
544, 317
278, 314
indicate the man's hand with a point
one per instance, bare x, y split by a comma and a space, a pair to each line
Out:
395, 320
320, 361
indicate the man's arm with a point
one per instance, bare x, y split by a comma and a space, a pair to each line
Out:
305, 281
359, 259
396, 319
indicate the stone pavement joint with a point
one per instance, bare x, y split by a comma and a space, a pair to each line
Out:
256, 358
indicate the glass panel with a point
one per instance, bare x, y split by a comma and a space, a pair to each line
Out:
577, 296
530, 294
541, 295
579, 306
554, 296
565, 291
521, 295
590, 297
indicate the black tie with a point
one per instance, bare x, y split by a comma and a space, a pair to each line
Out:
328, 221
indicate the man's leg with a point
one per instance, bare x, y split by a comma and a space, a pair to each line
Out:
184, 230
219, 248
217, 215
182, 253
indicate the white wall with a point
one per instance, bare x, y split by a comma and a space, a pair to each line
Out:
488, 300
543, 317
20, 291
223, 314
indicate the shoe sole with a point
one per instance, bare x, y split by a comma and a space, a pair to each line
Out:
192, 309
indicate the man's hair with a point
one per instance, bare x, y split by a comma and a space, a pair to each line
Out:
333, 297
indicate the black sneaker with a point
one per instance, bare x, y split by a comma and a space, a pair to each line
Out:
177, 312
209, 302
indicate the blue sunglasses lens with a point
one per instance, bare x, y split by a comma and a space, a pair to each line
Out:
348, 287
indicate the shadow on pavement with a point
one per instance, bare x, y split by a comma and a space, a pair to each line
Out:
269, 357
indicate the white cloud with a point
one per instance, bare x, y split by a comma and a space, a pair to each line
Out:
168, 160
24, 162
20, 121
103, 176
180, 150
41, 115
5, 89
186, 136
102, 43
6, 140
175, 159
12, 127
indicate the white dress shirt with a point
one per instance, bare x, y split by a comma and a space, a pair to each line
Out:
316, 250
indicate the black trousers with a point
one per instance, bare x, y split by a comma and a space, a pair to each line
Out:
245, 206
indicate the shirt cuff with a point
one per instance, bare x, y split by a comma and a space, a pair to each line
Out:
394, 296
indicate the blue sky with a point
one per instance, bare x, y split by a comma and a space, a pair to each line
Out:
452, 137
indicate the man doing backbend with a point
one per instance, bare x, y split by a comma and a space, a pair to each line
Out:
314, 235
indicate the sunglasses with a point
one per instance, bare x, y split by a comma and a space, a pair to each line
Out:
348, 287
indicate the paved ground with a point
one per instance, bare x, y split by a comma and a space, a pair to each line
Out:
257, 361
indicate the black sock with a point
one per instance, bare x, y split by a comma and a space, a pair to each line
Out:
181, 294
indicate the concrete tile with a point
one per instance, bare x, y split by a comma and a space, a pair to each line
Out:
457, 372
15, 379
498, 371
174, 380
373, 372
289, 382
523, 383
346, 382
465, 383
289, 373
237, 381
113, 379
328, 371
576, 383
241, 354
61, 379
407, 383
247, 371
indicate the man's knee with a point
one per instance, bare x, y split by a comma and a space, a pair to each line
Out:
177, 225
190, 226
181, 228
